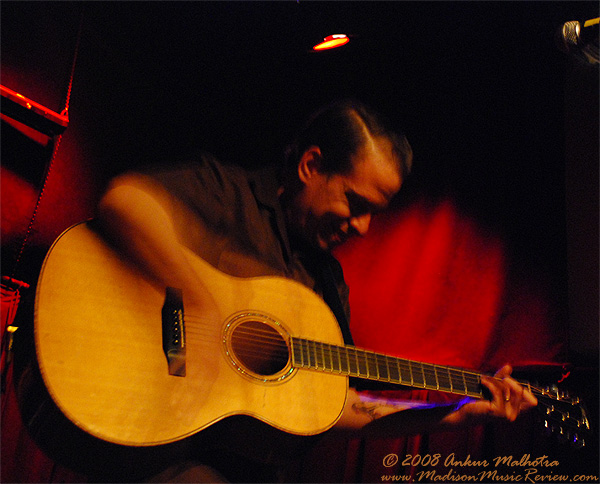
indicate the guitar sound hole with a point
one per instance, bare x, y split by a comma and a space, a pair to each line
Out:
259, 347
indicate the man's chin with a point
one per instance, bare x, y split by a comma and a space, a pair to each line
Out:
330, 244
324, 245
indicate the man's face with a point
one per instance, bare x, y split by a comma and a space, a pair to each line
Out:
333, 208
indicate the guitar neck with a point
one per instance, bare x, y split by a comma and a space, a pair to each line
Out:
355, 362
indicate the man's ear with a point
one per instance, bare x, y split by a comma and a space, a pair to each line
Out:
309, 164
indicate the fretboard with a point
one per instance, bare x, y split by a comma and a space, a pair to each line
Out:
355, 362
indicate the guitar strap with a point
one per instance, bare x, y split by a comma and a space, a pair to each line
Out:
331, 296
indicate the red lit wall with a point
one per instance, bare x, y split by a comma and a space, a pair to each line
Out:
434, 279
38, 46
428, 283
43, 75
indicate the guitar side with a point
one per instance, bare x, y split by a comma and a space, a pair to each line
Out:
98, 335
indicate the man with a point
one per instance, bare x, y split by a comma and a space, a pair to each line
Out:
344, 166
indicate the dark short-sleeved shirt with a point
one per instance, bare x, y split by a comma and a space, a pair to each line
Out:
232, 218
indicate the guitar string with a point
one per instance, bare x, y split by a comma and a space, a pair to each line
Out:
469, 381
372, 358
275, 342
272, 338
281, 359
283, 356
328, 352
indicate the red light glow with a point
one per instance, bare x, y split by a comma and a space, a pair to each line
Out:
428, 283
332, 41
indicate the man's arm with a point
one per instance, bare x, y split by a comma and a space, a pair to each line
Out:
392, 418
135, 214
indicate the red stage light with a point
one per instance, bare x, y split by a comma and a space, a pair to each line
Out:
332, 41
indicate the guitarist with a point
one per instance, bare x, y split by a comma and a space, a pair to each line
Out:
344, 166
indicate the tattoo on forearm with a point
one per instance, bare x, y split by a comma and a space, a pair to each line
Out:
370, 410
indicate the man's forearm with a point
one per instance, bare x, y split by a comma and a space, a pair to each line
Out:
381, 417
140, 225
385, 417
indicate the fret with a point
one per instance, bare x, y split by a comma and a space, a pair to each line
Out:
344, 362
299, 351
474, 385
338, 361
417, 374
303, 352
328, 358
464, 383
371, 364
296, 353
430, 377
310, 354
351, 361
306, 354
443, 378
382, 366
363, 370
319, 356
394, 370
406, 374
382, 369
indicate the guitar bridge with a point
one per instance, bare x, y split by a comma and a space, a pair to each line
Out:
173, 331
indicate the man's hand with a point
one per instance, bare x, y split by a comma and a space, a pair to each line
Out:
509, 399
137, 216
385, 417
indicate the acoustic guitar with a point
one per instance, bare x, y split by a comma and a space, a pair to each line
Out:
125, 363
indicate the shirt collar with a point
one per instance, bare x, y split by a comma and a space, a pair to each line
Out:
264, 183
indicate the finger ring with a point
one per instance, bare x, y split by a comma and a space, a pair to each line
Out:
507, 398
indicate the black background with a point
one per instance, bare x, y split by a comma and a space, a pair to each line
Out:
499, 118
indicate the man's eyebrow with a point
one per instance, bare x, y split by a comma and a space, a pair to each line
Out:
362, 204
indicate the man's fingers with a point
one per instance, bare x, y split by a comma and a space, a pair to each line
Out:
497, 390
503, 372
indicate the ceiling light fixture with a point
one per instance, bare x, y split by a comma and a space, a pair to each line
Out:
332, 41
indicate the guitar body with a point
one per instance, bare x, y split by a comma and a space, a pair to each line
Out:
99, 341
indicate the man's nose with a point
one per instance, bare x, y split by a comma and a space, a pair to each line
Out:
361, 223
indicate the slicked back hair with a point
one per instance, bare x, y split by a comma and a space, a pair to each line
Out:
340, 130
